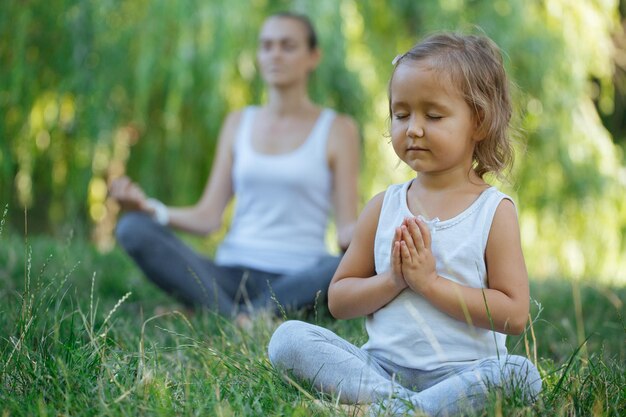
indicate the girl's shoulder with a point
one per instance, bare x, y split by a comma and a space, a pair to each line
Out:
371, 211
498, 197
377, 200
393, 190
367, 223
374, 207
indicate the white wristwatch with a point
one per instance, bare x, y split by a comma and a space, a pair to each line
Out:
161, 214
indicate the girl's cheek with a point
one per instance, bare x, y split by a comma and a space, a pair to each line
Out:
396, 129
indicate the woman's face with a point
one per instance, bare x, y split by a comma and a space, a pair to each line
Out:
284, 55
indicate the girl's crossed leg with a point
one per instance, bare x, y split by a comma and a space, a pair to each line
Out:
337, 367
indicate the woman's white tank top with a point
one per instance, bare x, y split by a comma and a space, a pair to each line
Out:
283, 202
410, 331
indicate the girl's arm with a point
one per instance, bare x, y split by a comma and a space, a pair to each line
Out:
503, 306
343, 157
356, 290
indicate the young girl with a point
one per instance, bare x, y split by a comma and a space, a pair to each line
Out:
436, 263
290, 163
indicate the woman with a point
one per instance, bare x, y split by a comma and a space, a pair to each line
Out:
289, 162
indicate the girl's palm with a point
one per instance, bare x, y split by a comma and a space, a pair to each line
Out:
418, 262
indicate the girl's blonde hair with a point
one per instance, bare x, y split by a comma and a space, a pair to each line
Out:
474, 65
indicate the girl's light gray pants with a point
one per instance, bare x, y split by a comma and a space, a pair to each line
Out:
337, 367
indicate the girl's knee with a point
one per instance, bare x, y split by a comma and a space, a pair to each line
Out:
523, 376
284, 347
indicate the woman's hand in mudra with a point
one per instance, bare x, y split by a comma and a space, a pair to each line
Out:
128, 194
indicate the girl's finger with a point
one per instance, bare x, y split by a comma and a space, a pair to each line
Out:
406, 237
405, 252
424, 232
397, 236
396, 262
416, 234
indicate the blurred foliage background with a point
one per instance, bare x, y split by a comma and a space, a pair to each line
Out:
93, 89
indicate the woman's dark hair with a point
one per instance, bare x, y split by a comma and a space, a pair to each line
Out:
311, 35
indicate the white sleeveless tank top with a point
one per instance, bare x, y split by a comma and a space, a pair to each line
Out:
283, 202
411, 332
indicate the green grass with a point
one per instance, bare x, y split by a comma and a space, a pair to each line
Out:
79, 336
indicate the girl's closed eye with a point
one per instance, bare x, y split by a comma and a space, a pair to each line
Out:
400, 115
434, 116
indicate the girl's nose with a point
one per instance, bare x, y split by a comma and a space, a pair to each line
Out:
415, 129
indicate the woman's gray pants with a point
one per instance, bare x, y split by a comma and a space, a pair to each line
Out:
197, 281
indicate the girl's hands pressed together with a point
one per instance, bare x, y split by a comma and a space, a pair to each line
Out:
417, 260
396, 260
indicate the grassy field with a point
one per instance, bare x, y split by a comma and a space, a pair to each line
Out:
80, 336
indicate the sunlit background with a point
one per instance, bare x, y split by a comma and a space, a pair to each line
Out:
92, 89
